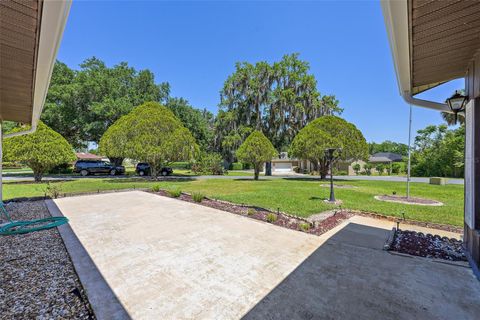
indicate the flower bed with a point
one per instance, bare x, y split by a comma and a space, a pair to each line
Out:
281, 219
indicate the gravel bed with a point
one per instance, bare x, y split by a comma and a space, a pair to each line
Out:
428, 245
37, 278
282, 219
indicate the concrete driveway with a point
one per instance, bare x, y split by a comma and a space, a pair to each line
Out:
168, 259
162, 258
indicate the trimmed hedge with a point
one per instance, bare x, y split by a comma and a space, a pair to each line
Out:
236, 166
12, 165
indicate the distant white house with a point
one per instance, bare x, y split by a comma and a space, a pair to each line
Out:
284, 164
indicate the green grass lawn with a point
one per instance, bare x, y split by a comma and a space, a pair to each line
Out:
299, 197
237, 173
26, 170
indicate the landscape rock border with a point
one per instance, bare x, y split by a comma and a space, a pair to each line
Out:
426, 245
412, 201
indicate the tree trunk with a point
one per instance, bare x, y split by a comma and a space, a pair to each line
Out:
37, 176
323, 169
116, 161
256, 171
153, 170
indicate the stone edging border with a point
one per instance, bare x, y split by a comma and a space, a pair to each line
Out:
255, 207
438, 226
436, 204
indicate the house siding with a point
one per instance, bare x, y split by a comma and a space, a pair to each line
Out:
472, 163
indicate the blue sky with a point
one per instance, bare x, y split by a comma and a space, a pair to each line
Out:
194, 46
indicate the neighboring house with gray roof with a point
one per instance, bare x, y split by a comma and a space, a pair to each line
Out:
385, 157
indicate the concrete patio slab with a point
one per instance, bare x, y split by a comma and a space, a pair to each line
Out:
168, 259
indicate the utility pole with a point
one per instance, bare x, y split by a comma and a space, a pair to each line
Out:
409, 152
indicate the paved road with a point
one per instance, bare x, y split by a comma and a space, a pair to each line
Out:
10, 177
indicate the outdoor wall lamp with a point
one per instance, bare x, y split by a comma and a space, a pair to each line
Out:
457, 103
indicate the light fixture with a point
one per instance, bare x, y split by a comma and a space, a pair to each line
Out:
457, 103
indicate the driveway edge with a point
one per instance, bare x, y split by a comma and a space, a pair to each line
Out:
103, 300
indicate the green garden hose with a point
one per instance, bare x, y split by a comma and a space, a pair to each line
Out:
21, 227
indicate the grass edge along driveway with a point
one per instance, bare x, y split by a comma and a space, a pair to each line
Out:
295, 196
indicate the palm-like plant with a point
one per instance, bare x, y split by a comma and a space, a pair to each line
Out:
450, 118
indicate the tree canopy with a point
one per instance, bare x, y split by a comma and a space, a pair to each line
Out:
439, 152
257, 150
278, 99
329, 132
199, 122
149, 133
41, 150
82, 104
388, 146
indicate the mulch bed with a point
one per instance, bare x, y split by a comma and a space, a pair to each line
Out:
402, 199
37, 277
428, 245
282, 219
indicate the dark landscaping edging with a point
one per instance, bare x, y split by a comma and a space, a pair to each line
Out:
72, 194
282, 219
103, 300
391, 237
444, 227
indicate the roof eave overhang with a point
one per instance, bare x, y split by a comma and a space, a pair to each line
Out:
396, 18
54, 18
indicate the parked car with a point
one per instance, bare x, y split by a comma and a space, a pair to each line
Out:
143, 169
86, 167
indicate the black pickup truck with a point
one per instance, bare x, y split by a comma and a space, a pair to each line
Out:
143, 169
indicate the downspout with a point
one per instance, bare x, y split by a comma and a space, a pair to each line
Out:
407, 96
